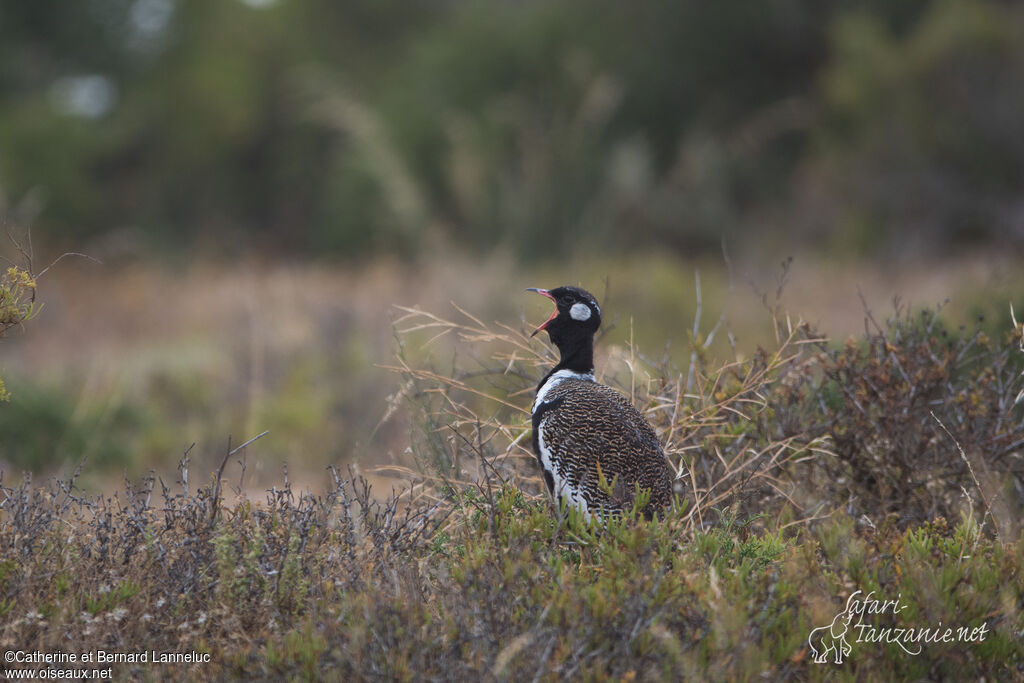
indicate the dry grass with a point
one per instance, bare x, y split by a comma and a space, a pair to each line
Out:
477, 425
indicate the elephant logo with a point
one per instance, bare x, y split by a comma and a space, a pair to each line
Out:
832, 638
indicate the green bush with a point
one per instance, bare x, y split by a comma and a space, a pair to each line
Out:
886, 402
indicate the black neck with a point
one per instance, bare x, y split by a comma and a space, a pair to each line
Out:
577, 357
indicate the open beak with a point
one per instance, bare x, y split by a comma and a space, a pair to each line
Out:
553, 315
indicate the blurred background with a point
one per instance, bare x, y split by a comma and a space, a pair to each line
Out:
256, 184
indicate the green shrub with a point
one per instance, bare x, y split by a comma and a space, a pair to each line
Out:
885, 401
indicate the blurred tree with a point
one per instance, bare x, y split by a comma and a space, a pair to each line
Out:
178, 119
371, 125
551, 126
921, 145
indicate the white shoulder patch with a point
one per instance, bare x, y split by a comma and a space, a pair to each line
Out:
579, 312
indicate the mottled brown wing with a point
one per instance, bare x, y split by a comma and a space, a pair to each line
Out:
595, 426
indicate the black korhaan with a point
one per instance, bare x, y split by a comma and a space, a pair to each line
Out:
584, 431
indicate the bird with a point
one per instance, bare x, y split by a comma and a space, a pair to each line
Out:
595, 448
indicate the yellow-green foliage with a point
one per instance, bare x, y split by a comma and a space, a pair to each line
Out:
17, 297
17, 304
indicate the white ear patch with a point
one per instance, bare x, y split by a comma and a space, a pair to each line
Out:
580, 312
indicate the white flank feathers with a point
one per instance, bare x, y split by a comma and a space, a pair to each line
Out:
563, 489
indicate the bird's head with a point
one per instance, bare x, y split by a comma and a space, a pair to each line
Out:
576, 316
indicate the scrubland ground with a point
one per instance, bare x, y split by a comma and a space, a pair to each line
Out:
876, 453
129, 365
